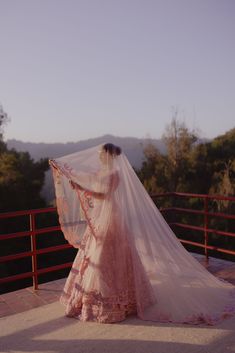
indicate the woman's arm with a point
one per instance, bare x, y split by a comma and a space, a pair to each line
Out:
97, 195
112, 185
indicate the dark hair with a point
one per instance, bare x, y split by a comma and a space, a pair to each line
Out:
112, 149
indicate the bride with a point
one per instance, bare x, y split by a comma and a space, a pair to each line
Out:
129, 260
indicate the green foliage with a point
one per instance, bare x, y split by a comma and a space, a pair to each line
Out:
179, 141
153, 170
214, 166
21, 180
4, 118
170, 172
207, 168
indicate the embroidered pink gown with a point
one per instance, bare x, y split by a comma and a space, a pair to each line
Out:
112, 294
129, 260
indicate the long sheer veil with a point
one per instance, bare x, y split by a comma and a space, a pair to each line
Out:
182, 290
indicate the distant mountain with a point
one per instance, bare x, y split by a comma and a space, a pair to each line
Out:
132, 147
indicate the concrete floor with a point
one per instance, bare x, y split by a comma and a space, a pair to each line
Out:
34, 321
46, 329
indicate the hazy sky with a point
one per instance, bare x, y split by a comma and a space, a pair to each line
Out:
77, 69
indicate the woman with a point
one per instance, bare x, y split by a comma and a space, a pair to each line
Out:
129, 260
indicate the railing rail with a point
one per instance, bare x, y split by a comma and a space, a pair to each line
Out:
207, 216
34, 252
33, 232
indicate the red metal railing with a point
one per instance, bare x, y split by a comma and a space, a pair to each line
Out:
34, 231
34, 252
207, 216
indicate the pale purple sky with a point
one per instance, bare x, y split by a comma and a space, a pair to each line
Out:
72, 70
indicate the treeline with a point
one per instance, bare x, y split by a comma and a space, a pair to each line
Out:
191, 166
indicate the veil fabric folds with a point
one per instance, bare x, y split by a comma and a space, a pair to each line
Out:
122, 238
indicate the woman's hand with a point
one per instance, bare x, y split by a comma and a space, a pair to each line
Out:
75, 185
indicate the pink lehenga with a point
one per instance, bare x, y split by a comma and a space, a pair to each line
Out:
129, 261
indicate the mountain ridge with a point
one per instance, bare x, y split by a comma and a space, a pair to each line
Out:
131, 146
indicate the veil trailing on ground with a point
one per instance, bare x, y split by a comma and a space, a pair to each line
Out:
110, 194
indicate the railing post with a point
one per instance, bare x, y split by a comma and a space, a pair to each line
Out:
34, 251
206, 227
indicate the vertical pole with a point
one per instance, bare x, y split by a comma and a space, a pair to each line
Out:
206, 228
34, 251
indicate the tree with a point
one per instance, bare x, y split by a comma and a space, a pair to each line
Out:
21, 180
213, 165
171, 172
152, 173
4, 118
179, 143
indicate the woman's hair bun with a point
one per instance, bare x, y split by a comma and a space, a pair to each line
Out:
112, 149
118, 150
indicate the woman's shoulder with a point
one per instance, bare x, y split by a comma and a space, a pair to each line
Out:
114, 178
